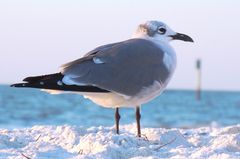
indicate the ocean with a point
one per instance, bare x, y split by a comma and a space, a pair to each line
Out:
174, 108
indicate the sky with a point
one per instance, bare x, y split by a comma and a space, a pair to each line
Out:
36, 37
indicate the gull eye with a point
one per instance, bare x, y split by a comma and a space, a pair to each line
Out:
162, 30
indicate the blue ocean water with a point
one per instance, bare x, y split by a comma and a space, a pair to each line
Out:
174, 108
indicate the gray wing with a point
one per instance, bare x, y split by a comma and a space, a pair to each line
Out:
126, 67
89, 55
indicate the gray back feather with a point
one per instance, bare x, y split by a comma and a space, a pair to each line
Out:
127, 67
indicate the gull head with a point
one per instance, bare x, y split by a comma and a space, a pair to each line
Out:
159, 31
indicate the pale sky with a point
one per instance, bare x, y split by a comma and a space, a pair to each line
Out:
36, 37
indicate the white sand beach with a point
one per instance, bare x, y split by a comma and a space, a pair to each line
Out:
72, 142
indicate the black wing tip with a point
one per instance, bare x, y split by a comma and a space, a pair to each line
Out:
64, 88
18, 85
27, 79
32, 79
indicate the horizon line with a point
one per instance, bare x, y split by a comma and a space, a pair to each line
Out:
174, 89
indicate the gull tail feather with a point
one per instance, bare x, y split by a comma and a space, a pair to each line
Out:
54, 82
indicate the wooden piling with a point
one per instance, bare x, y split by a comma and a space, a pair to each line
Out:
199, 76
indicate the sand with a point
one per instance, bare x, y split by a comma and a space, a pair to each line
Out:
75, 142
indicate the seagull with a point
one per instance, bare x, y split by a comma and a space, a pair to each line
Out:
122, 74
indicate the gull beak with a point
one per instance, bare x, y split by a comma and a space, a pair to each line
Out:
183, 37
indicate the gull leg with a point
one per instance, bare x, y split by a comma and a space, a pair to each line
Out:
138, 117
117, 118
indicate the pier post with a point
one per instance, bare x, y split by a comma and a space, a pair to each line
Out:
199, 76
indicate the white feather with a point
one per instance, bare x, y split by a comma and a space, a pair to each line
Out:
113, 99
68, 80
97, 60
